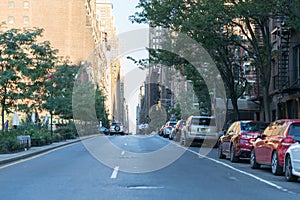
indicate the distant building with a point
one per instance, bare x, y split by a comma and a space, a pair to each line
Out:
82, 30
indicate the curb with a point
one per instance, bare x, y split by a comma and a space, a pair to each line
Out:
20, 157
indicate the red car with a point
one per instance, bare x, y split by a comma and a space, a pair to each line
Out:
238, 139
270, 148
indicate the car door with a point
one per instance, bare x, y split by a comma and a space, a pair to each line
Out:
227, 137
260, 145
295, 155
272, 140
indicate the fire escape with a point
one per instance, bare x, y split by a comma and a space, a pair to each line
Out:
282, 45
283, 62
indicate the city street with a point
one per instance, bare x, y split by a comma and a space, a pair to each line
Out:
75, 172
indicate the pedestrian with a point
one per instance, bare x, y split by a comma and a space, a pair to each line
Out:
6, 125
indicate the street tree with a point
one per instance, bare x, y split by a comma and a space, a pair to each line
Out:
188, 17
61, 83
101, 112
223, 26
24, 62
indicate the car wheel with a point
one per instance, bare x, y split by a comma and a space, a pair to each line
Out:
177, 137
289, 170
117, 128
253, 163
187, 143
220, 152
233, 158
276, 168
181, 140
184, 141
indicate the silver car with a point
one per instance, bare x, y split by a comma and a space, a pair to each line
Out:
199, 129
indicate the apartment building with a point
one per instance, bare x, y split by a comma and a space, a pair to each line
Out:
285, 82
83, 31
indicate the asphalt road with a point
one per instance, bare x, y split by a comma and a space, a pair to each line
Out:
129, 167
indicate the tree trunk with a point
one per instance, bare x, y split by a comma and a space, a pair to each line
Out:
2, 114
266, 103
234, 102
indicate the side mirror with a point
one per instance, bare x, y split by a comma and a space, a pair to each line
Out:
231, 133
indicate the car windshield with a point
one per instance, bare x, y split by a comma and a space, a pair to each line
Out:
172, 124
116, 124
253, 126
204, 121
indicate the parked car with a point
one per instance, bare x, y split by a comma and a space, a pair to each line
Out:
271, 146
116, 128
176, 131
292, 160
103, 130
168, 128
198, 129
161, 130
238, 139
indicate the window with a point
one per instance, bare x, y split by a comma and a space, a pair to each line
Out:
11, 19
11, 4
295, 131
296, 64
25, 20
26, 4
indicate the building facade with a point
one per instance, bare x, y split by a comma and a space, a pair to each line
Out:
82, 31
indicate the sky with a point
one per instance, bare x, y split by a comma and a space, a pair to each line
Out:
134, 77
122, 9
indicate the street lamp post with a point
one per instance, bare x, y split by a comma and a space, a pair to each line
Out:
51, 107
50, 76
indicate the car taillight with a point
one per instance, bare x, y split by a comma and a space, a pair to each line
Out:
287, 141
169, 126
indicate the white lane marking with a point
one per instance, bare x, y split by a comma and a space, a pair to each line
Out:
123, 152
145, 187
235, 169
115, 173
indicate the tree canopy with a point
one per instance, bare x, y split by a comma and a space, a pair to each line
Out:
24, 62
231, 31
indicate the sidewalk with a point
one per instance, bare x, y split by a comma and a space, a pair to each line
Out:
7, 158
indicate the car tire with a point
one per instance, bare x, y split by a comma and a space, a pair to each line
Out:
184, 141
253, 163
233, 158
117, 128
176, 137
276, 168
289, 170
220, 153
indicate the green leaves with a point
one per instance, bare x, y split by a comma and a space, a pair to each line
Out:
23, 64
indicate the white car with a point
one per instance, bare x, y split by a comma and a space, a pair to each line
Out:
199, 128
292, 162
116, 128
